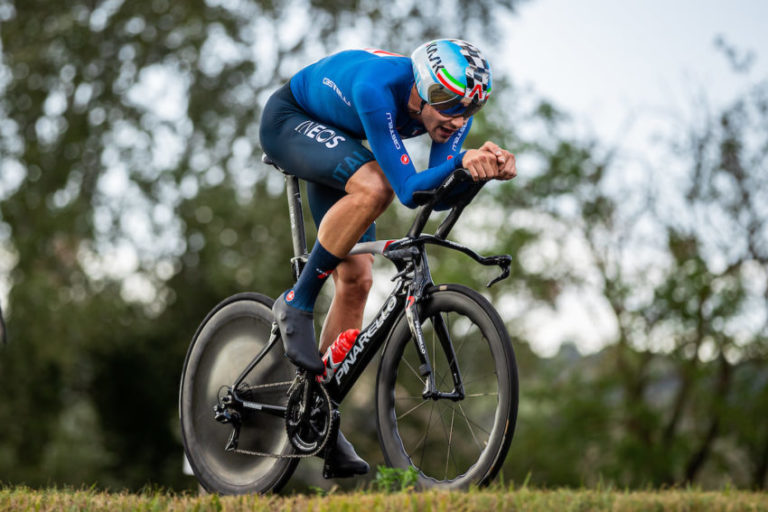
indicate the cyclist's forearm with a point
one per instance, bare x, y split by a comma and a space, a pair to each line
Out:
390, 153
440, 152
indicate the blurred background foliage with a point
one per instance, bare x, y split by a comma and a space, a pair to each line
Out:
132, 200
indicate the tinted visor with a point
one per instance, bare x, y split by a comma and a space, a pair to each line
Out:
459, 109
449, 103
439, 95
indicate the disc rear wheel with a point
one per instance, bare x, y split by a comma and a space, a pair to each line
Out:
232, 334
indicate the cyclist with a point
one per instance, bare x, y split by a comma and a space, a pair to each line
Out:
312, 127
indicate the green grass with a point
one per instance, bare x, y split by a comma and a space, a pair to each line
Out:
21, 498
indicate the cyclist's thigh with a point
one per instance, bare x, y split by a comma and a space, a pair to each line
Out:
302, 146
322, 197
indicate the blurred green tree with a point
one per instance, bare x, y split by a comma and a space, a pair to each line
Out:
678, 257
133, 200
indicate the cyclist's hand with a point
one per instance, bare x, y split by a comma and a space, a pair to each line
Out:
480, 164
504, 159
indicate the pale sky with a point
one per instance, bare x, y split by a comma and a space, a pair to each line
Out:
604, 60
622, 70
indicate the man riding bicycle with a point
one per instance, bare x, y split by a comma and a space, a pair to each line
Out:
312, 128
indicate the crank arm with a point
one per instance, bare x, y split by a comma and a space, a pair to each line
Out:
330, 445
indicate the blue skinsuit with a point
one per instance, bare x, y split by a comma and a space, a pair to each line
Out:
313, 128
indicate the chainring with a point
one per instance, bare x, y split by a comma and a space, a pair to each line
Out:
308, 416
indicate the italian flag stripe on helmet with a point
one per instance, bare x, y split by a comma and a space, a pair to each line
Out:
450, 83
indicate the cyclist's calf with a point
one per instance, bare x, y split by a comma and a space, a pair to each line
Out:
353, 279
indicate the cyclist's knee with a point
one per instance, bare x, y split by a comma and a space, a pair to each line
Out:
355, 277
355, 291
372, 186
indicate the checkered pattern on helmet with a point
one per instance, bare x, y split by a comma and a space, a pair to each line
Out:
473, 56
478, 69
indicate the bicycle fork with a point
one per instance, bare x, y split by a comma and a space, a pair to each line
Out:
425, 369
421, 280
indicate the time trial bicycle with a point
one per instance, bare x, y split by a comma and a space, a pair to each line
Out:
446, 388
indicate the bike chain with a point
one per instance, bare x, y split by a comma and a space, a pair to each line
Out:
291, 455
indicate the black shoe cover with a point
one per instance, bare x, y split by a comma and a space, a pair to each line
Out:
298, 332
343, 462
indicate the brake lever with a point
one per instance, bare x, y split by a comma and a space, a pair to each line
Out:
505, 262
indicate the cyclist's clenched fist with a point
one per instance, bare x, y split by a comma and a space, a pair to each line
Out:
480, 164
490, 162
504, 159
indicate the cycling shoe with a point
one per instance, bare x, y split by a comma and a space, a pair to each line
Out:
298, 332
343, 462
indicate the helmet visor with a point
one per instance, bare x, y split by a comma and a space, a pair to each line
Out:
451, 104
439, 95
459, 109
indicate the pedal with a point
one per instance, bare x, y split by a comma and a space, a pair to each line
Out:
331, 444
298, 380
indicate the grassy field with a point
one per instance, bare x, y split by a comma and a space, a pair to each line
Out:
483, 500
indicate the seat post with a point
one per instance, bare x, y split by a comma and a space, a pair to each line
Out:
298, 235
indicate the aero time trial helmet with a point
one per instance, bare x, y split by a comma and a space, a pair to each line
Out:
452, 76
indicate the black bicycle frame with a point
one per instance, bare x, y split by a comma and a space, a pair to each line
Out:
411, 283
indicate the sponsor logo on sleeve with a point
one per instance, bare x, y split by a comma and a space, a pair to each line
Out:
392, 133
404, 159
457, 137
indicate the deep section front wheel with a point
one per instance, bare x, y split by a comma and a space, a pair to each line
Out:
463, 440
231, 335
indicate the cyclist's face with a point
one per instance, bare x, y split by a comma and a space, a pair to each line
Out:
440, 126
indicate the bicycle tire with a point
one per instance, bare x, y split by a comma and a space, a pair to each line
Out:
229, 337
424, 433
3, 332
